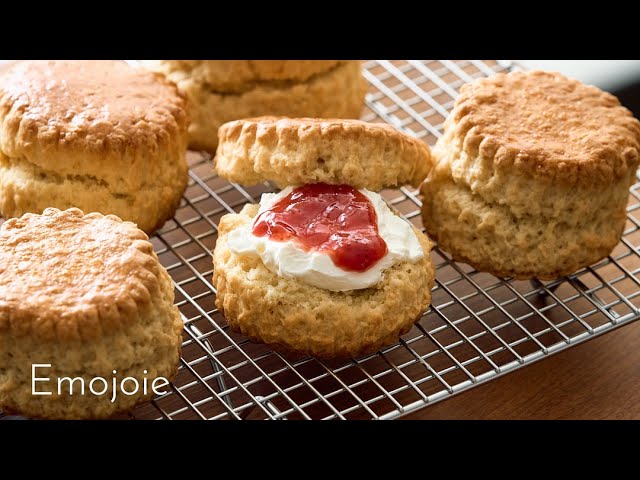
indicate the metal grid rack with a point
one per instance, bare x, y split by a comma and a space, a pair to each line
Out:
478, 327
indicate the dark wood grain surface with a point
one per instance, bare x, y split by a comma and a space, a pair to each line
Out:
596, 380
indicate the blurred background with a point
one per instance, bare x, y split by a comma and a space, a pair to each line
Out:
620, 77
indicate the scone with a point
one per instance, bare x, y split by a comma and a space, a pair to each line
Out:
532, 177
82, 296
98, 135
219, 91
322, 268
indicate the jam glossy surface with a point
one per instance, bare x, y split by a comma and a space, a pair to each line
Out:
333, 219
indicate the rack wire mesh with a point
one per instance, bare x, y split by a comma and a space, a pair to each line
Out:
478, 327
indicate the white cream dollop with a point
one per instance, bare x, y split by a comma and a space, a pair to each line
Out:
316, 268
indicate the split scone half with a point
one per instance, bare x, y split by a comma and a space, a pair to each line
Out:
322, 268
532, 176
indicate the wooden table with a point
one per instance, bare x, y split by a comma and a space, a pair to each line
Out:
596, 380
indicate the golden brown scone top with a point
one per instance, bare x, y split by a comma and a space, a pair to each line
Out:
96, 105
296, 151
546, 124
66, 275
235, 76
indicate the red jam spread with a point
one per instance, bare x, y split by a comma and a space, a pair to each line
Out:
333, 219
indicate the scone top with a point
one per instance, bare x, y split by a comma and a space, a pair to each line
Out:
298, 151
67, 276
544, 124
88, 117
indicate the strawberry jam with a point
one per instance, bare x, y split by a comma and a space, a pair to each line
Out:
334, 219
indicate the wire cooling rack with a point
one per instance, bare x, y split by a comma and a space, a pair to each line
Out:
478, 327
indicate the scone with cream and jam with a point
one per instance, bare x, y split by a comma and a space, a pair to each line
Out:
323, 267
